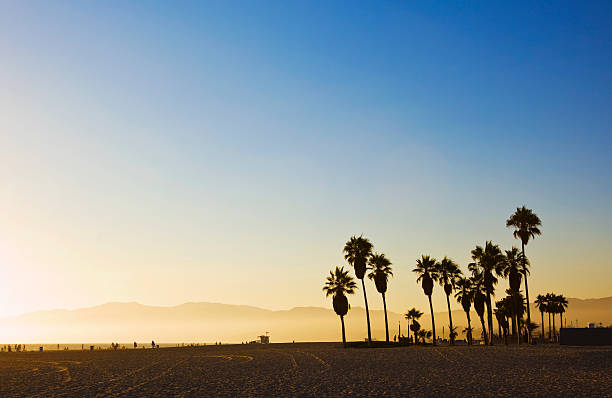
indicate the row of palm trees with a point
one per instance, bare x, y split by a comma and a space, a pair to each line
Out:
551, 304
489, 262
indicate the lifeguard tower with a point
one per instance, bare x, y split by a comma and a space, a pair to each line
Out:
264, 338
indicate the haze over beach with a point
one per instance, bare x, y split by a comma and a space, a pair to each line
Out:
178, 178
211, 322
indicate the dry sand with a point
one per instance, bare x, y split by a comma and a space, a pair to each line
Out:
317, 369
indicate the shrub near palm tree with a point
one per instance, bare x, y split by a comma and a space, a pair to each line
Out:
514, 265
423, 334
449, 273
426, 269
357, 251
414, 314
526, 225
488, 263
339, 284
465, 296
381, 271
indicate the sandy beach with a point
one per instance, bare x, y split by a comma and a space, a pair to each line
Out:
310, 370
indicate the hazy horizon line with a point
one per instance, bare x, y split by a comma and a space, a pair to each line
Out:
237, 305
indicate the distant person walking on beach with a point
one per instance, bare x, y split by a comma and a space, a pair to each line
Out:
152, 344
135, 345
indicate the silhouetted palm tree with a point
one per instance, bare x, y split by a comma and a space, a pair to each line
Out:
415, 326
427, 270
479, 298
514, 265
357, 251
413, 315
339, 284
502, 313
562, 303
488, 263
381, 271
449, 273
526, 225
514, 308
540, 303
465, 295
550, 307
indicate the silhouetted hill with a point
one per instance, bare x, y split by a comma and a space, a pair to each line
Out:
209, 322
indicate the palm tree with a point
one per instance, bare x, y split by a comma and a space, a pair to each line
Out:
413, 314
357, 251
540, 303
381, 271
339, 284
488, 263
465, 295
427, 271
415, 326
514, 265
502, 313
514, 305
562, 302
449, 273
526, 226
550, 306
479, 298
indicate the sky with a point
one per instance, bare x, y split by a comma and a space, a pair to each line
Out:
166, 152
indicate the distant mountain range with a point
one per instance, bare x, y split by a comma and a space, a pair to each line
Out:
210, 322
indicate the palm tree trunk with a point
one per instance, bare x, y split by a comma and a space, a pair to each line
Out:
542, 333
365, 298
549, 329
386, 322
526, 296
343, 332
515, 324
469, 328
561, 323
484, 330
450, 320
490, 318
554, 328
433, 323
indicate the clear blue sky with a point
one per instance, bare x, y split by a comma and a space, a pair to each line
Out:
224, 151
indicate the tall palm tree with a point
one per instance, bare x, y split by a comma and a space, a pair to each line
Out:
357, 251
514, 265
449, 273
465, 295
479, 298
381, 271
413, 315
526, 226
427, 270
339, 283
540, 303
488, 263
